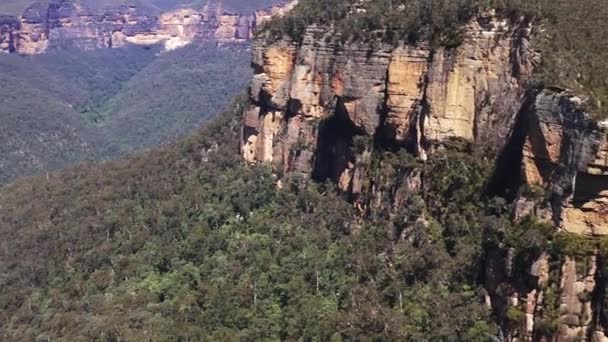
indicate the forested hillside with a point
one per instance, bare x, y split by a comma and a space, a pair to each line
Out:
477, 214
68, 106
188, 243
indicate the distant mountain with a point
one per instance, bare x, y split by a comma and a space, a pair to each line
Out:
74, 99
16, 7
60, 24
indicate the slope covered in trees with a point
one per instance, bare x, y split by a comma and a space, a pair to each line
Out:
68, 106
188, 243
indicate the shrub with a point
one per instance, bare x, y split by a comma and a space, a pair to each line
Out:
514, 315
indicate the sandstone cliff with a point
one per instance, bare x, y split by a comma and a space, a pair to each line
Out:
558, 152
565, 151
312, 101
45, 26
309, 101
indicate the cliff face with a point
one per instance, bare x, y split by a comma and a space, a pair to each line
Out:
559, 150
309, 101
68, 23
566, 152
312, 103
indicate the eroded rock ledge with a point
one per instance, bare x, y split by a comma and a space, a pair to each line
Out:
67, 23
565, 151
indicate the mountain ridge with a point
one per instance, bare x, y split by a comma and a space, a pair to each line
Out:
55, 25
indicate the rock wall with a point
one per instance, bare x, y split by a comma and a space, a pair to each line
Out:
309, 101
67, 23
566, 152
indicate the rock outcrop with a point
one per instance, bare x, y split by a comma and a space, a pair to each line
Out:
566, 152
67, 23
309, 101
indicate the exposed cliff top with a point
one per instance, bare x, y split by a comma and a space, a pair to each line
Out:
57, 24
392, 21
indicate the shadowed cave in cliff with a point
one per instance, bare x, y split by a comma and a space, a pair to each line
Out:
335, 140
588, 187
507, 176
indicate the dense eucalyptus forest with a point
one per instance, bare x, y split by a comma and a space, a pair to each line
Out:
188, 242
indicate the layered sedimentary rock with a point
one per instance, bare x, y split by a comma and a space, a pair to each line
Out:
566, 152
309, 101
67, 23
556, 153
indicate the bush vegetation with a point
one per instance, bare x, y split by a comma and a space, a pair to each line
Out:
188, 243
69, 106
393, 21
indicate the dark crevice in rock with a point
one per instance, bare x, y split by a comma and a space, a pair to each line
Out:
334, 144
588, 187
507, 175
384, 136
421, 143
257, 68
293, 108
599, 321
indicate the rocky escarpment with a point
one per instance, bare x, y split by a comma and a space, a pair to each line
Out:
310, 100
565, 152
314, 102
557, 153
46, 26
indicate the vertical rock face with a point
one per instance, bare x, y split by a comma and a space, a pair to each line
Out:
576, 313
475, 91
407, 79
67, 23
9, 26
35, 26
323, 95
562, 149
565, 151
